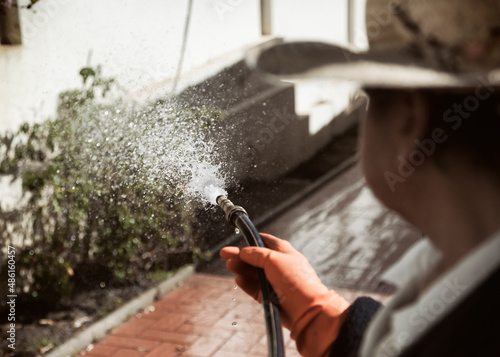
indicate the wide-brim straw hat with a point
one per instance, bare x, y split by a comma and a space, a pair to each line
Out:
412, 44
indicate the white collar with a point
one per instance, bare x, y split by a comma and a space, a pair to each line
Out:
409, 314
416, 263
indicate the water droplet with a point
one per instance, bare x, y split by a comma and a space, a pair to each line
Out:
235, 323
235, 287
233, 299
102, 284
237, 231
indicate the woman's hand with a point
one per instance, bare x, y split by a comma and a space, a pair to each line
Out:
312, 312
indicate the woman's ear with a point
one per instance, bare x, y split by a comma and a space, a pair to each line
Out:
414, 119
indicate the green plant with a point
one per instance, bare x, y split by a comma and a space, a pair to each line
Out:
200, 256
45, 342
159, 275
107, 308
93, 217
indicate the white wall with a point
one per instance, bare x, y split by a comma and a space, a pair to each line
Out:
311, 19
138, 42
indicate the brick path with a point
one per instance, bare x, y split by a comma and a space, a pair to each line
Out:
205, 316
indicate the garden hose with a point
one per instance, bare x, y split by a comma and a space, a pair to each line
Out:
238, 217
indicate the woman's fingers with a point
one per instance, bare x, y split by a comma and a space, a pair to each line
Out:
247, 277
276, 243
230, 252
239, 267
255, 256
249, 286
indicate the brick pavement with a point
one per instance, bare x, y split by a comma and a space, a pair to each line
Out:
204, 317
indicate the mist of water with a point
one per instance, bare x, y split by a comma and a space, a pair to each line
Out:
166, 144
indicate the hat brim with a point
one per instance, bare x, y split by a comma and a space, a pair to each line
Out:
278, 60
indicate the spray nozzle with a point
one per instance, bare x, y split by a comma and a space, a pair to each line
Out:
229, 208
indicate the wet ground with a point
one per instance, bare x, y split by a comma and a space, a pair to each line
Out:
346, 234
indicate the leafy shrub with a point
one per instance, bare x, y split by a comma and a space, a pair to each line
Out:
93, 216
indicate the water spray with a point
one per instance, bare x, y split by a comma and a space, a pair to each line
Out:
238, 217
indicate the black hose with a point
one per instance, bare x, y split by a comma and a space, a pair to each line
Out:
238, 217
269, 298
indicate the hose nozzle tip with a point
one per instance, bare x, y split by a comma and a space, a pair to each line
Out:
229, 208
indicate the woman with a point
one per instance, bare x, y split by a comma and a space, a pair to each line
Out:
430, 151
